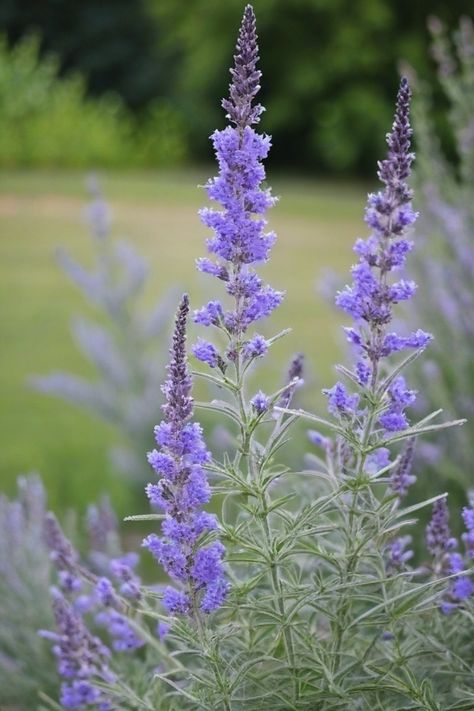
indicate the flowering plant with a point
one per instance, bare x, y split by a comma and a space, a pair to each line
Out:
446, 254
300, 593
125, 349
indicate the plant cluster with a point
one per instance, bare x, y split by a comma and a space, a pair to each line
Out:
25, 666
302, 593
444, 264
125, 347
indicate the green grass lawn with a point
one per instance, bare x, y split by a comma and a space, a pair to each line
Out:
316, 224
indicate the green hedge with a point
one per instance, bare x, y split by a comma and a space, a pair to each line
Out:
48, 121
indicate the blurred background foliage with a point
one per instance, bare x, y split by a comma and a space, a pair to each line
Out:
151, 77
137, 86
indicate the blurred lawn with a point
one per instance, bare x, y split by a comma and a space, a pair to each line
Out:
316, 224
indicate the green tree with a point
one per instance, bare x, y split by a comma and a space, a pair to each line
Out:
112, 43
330, 69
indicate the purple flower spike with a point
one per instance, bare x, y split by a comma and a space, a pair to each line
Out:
398, 556
206, 352
438, 535
181, 490
370, 299
82, 658
401, 477
239, 238
468, 537
62, 554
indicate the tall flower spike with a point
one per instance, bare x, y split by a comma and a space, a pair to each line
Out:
181, 491
438, 535
239, 239
371, 297
81, 657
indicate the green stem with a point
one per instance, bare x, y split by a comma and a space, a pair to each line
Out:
352, 553
254, 475
209, 654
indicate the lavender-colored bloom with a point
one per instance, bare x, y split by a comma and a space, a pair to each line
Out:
123, 636
468, 537
215, 595
62, 554
240, 239
122, 570
105, 593
68, 582
438, 535
256, 347
317, 439
176, 602
392, 343
398, 556
372, 295
340, 402
205, 351
401, 477
182, 489
80, 654
81, 657
363, 371
377, 460
260, 402
394, 418
112, 617
461, 588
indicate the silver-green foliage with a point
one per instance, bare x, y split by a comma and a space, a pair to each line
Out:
443, 263
25, 575
316, 618
126, 348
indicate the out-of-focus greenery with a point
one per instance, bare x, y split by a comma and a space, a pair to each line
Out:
46, 121
157, 213
113, 43
129, 349
330, 69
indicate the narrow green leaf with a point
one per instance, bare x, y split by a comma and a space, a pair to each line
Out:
145, 517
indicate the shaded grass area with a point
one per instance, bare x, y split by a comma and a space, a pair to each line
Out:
316, 224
